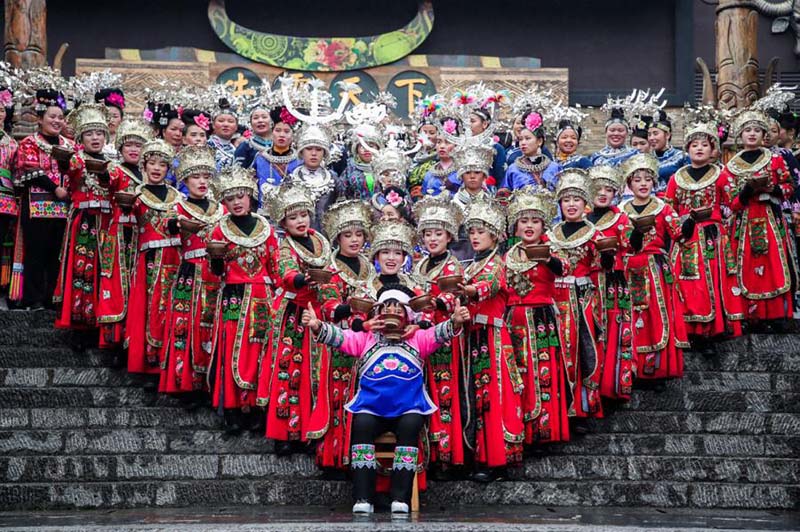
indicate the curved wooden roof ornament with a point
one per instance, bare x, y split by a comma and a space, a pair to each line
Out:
321, 54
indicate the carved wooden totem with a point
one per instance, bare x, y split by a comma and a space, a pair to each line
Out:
26, 33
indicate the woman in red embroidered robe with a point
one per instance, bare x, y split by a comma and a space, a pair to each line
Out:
659, 333
756, 182
249, 269
438, 222
576, 295
289, 378
347, 223
79, 275
493, 426
118, 249
44, 204
192, 305
619, 366
532, 318
156, 261
9, 207
705, 269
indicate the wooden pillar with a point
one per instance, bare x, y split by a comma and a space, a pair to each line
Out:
26, 33
737, 54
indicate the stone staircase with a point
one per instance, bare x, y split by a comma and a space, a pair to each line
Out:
76, 431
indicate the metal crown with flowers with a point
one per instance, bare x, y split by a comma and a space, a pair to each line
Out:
777, 98
291, 197
529, 200
436, 213
365, 119
467, 101
347, 215
85, 86
319, 115
195, 160
487, 213
133, 129
640, 161
87, 117
575, 182
158, 148
234, 179
393, 235
473, 158
605, 175
749, 117
701, 130
392, 161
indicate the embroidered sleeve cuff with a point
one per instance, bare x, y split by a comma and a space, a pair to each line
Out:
444, 332
330, 335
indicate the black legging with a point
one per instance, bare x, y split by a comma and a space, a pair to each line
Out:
364, 430
42, 246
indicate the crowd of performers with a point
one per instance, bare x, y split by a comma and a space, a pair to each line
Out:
477, 301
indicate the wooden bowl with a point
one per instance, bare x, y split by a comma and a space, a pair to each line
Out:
125, 199
759, 183
319, 275
421, 303
537, 251
701, 214
95, 166
449, 283
190, 226
361, 304
608, 243
61, 153
216, 249
392, 325
644, 223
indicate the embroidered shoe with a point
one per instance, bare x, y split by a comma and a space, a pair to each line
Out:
363, 507
399, 508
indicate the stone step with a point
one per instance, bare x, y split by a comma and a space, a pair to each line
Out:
124, 467
58, 355
39, 337
678, 400
82, 396
22, 320
62, 495
135, 467
621, 421
47, 352
717, 381
188, 441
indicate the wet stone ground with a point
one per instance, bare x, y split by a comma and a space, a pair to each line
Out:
315, 518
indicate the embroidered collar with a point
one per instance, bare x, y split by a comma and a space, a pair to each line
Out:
517, 260
654, 207
358, 281
209, 217
686, 182
420, 268
477, 266
152, 201
739, 167
258, 236
322, 250
607, 220
576, 239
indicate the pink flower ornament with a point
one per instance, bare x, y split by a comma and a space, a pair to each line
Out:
533, 122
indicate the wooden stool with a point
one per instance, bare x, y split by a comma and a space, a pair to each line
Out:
388, 441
